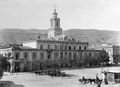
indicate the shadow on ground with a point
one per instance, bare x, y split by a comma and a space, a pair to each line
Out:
9, 84
70, 75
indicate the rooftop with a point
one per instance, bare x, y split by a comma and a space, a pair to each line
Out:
112, 70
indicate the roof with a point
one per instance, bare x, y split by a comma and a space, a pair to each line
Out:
113, 70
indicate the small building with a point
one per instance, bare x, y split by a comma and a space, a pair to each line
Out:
112, 75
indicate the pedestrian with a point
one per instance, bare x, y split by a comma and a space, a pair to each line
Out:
99, 84
106, 82
97, 79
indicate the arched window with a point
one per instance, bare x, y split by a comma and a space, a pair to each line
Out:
61, 47
55, 47
48, 46
79, 47
41, 47
69, 47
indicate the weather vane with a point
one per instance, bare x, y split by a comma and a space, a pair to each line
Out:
54, 6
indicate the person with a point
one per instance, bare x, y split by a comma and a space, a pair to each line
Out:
83, 79
106, 82
99, 84
97, 79
1, 73
105, 78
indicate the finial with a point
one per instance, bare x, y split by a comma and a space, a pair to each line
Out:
54, 6
55, 10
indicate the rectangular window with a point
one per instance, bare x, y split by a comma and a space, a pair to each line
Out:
34, 55
25, 55
57, 23
17, 55
65, 55
55, 55
41, 55
85, 48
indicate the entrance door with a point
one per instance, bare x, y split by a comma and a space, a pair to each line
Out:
17, 67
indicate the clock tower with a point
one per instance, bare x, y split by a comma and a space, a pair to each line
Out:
54, 29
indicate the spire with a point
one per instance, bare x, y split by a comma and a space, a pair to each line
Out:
54, 6
55, 10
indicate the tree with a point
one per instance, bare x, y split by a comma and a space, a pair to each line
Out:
104, 58
3, 65
10, 60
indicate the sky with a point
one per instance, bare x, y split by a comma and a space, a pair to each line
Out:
74, 14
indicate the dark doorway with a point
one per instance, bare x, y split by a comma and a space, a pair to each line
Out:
17, 67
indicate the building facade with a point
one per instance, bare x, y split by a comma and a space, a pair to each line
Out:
109, 49
57, 50
116, 54
113, 52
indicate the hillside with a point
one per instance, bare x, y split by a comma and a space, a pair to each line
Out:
17, 36
94, 37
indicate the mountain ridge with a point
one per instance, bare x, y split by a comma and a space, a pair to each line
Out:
93, 36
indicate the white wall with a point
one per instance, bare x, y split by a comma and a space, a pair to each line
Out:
32, 44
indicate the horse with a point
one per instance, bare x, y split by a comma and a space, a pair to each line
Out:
89, 80
83, 80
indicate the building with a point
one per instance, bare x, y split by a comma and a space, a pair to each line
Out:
109, 49
57, 50
112, 75
113, 52
116, 54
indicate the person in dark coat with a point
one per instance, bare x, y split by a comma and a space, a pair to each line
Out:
97, 79
99, 84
